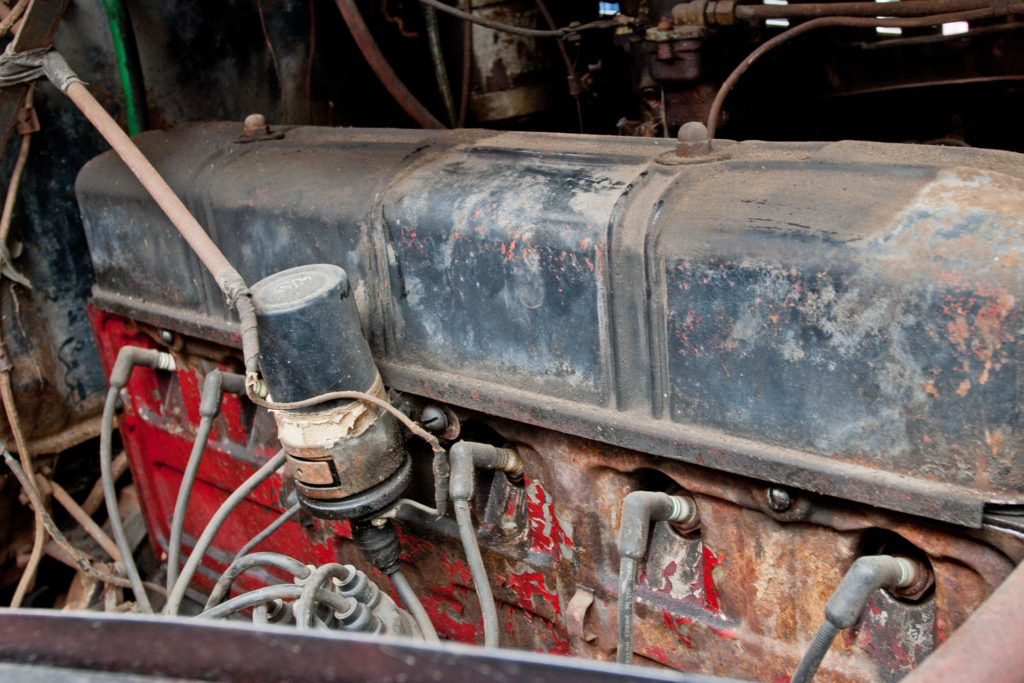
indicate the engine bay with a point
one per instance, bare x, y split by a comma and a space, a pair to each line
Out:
560, 370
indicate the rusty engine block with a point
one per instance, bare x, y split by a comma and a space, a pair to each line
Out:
819, 344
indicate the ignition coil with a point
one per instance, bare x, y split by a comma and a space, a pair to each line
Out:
346, 457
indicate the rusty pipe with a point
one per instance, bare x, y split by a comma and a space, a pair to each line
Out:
227, 278
988, 644
715, 111
375, 58
87, 523
910, 8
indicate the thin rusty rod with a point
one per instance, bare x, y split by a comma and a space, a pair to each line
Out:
79, 515
12, 18
12, 188
94, 500
375, 58
54, 550
845, 22
28, 576
82, 562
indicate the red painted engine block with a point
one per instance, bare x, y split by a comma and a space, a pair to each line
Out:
741, 596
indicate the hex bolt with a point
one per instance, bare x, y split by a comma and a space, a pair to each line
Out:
779, 499
434, 419
256, 126
693, 140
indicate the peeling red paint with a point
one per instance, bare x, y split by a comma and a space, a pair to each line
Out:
458, 571
527, 586
546, 530
680, 625
710, 590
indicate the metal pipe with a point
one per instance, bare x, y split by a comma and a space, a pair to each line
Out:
79, 560
715, 112
375, 58
87, 523
908, 8
227, 278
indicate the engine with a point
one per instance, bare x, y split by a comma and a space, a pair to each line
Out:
799, 339
602, 341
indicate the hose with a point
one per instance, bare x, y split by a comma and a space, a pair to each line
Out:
639, 509
128, 66
864, 578
304, 606
283, 591
269, 530
715, 111
476, 567
244, 563
110, 496
177, 593
375, 58
414, 605
816, 652
627, 596
188, 480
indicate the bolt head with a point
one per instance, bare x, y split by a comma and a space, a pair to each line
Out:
256, 126
434, 419
167, 336
779, 499
693, 140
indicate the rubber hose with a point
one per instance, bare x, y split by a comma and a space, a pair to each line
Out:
415, 607
188, 480
110, 496
177, 593
476, 567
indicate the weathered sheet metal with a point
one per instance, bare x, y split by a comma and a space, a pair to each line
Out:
839, 317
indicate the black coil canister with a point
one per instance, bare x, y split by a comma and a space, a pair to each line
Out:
311, 341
